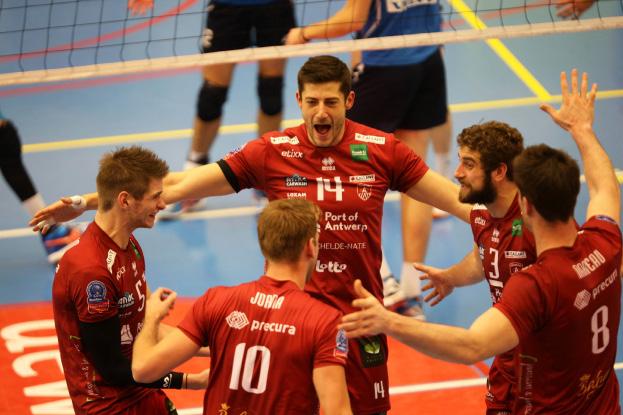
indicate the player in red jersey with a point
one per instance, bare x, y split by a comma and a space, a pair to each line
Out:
502, 245
99, 293
275, 349
563, 312
346, 168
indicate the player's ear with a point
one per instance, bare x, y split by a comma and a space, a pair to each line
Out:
350, 100
123, 199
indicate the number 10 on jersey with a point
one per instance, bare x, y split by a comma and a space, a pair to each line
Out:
245, 363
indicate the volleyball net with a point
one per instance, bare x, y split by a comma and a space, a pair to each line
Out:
49, 40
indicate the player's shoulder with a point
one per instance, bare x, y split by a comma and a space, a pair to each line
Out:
363, 134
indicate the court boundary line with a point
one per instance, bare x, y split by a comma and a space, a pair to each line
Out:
502, 51
414, 388
166, 135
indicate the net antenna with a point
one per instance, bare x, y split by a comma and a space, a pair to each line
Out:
60, 40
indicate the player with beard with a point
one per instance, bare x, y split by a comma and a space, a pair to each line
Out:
501, 244
562, 312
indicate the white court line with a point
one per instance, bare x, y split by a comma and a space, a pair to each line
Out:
416, 388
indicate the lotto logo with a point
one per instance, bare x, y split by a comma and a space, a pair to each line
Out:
237, 320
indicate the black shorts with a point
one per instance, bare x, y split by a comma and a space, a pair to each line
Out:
230, 27
405, 97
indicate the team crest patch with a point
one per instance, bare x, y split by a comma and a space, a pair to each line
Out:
371, 351
364, 191
515, 266
341, 344
96, 297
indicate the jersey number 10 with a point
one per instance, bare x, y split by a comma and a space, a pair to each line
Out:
249, 359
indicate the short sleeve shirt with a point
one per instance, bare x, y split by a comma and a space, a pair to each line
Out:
94, 281
265, 337
566, 310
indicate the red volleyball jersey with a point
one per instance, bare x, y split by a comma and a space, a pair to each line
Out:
265, 337
96, 280
505, 246
566, 309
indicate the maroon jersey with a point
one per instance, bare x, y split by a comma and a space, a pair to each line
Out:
565, 309
265, 339
349, 182
505, 246
94, 281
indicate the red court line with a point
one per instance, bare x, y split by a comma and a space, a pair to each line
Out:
103, 38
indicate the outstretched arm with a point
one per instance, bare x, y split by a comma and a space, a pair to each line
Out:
438, 191
196, 183
442, 281
576, 116
491, 334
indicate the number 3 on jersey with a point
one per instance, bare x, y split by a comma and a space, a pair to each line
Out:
249, 359
324, 185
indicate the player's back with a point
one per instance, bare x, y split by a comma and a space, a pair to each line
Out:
568, 348
265, 339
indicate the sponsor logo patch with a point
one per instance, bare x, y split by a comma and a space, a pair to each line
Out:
515, 254
296, 181
365, 178
582, 299
359, 152
516, 230
296, 195
237, 320
292, 154
371, 351
480, 221
126, 301
328, 164
284, 140
110, 260
369, 138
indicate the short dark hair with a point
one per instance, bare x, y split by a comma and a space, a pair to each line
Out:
127, 169
496, 142
285, 226
549, 179
323, 69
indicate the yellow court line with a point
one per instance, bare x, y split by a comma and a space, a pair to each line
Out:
251, 128
502, 51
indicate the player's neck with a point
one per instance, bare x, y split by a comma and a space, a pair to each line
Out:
506, 194
548, 235
288, 271
115, 227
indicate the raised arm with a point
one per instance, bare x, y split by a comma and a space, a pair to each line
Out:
576, 116
330, 384
436, 190
350, 18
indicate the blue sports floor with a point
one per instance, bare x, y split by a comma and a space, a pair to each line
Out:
66, 127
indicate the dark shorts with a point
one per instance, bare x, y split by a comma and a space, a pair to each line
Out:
231, 27
405, 97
